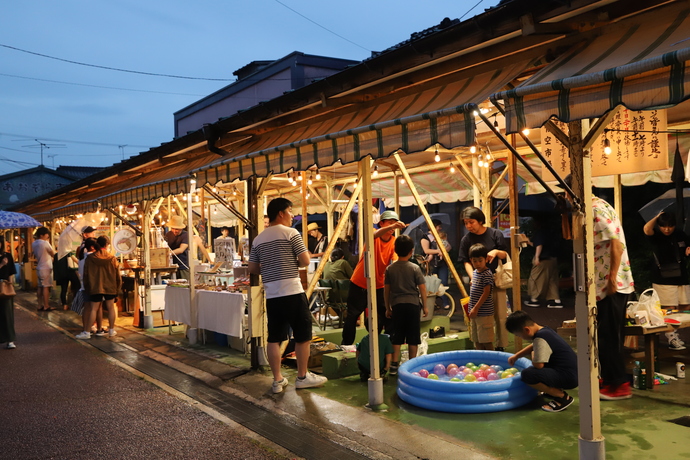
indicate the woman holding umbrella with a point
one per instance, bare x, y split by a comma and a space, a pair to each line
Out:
7, 272
670, 249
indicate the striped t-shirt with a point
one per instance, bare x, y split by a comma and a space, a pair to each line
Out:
479, 280
276, 249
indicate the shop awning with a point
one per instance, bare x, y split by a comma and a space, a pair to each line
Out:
639, 62
410, 123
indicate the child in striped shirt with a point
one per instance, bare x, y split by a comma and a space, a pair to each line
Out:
481, 307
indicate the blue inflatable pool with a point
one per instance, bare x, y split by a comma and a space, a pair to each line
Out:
463, 397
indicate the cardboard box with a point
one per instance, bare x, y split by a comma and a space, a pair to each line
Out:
159, 258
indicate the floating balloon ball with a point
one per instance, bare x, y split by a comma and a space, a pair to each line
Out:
470, 378
455, 379
512, 370
484, 367
416, 374
493, 376
451, 366
452, 371
423, 373
479, 373
482, 379
440, 369
506, 375
433, 377
467, 371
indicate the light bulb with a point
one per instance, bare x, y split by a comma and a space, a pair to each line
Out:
184, 197
402, 180
309, 182
437, 157
607, 147
481, 163
376, 171
473, 148
300, 177
234, 191
525, 131
475, 113
318, 175
452, 168
214, 190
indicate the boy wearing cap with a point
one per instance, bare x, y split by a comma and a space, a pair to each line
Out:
178, 241
384, 254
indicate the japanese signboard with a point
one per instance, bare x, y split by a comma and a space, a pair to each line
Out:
637, 140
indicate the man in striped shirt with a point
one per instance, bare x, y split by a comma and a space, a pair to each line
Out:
276, 255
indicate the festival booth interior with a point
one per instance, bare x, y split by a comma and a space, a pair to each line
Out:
638, 63
394, 111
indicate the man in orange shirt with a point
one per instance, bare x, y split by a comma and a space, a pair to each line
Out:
384, 254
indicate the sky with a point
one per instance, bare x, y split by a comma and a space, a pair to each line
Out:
83, 115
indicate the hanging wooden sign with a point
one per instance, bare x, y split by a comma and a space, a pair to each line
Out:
637, 140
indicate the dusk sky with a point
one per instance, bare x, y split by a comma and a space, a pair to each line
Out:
89, 116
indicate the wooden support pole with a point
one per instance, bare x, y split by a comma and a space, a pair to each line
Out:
591, 438
429, 222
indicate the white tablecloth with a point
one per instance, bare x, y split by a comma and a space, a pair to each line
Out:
221, 312
218, 311
177, 305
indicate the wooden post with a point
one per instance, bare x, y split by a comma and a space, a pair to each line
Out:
375, 381
255, 342
514, 228
429, 222
591, 441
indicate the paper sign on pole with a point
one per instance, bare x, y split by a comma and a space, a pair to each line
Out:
633, 149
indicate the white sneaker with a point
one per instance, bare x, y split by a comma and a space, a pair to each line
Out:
279, 386
310, 380
112, 333
83, 335
675, 344
11, 346
531, 303
554, 304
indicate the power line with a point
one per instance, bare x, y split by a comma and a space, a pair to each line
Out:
468, 11
98, 86
112, 68
26, 137
324, 28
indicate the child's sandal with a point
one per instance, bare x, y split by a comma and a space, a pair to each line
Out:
558, 404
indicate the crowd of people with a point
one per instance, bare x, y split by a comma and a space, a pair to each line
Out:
92, 275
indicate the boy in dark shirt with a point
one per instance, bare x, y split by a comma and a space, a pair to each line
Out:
554, 363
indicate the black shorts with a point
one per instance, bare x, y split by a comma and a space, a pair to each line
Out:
100, 297
406, 324
550, 377
287, 312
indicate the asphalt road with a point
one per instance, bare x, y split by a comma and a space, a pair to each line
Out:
62, 400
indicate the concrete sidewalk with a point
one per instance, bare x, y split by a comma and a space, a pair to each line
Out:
323, 422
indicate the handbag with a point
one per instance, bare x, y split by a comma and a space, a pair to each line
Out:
503, 278
7, 289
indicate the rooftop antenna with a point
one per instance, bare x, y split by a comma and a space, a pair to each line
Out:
122, 150
53, 155
43, 146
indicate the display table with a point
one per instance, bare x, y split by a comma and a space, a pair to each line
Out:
177, 307
221, 312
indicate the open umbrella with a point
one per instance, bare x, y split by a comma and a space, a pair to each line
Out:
70, 238
9, 220
665, 202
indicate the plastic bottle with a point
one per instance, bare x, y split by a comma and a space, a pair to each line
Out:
643, 376
637, 372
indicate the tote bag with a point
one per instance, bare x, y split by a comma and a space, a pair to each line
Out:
503, 278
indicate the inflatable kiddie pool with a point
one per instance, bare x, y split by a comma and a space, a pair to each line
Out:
463, 397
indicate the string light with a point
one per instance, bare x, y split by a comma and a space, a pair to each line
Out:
234, 191
473, 148
481, 163
376, 171
309, 181
452, 168
495, 120
402, 180
318, 174
300, 178
214, 190
184, 197
525, 131
437, 157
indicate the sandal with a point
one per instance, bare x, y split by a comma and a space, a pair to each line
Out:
558, 404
